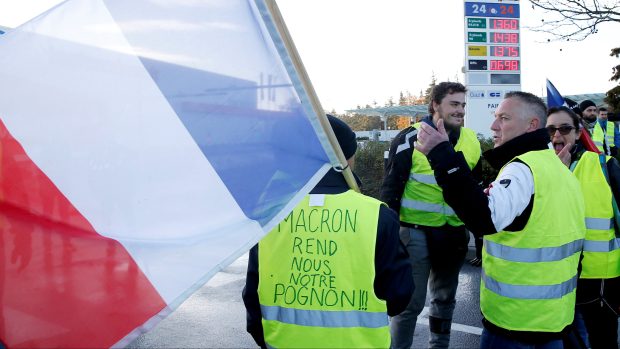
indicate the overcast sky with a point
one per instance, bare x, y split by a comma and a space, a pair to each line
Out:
358, 51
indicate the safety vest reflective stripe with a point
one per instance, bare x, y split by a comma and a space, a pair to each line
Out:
601, 246
530, 291
321, 318
599, 223
422, 178
533, 255
428, 207
610, 133
598, 143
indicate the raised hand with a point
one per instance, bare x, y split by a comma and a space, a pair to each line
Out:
428, 137
564, 154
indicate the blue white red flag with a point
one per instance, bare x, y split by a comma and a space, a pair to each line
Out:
144, 145
554, 98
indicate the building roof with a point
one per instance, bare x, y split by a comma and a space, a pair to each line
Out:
411, 110
414, 110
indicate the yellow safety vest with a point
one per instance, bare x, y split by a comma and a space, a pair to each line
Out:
316, 276
529, 277
601, 250
610, 134
598, 137
422, 202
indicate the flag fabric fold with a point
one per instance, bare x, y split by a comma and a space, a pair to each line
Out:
144, 145
554, 98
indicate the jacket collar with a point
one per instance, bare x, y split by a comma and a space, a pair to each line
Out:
530, 141
333, 183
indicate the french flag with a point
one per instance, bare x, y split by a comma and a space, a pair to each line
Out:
554, 98
144, 145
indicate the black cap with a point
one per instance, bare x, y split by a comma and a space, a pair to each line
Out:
344, 134
586, 104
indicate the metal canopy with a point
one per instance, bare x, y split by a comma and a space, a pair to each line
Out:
413, 110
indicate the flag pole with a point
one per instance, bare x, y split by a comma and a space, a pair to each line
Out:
313, 98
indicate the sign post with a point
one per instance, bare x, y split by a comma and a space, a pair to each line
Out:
492, 58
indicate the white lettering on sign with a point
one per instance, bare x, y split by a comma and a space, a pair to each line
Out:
476, 94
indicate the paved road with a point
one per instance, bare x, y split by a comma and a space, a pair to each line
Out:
214, 317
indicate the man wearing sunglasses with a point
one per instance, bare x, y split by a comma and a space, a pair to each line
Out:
532, 219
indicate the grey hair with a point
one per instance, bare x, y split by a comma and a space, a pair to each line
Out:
534, 106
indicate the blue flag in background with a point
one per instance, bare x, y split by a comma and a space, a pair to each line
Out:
554, 98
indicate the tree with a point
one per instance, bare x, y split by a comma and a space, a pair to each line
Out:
402, 100
578, 19
429, 89
613, 95
575, 19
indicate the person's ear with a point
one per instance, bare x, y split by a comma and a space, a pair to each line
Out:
534, 124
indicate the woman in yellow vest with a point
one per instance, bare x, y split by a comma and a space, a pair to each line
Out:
598, 288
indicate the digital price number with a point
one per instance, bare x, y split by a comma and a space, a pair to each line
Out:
506, 24
505, 51
504, 38
483, 9
504, 64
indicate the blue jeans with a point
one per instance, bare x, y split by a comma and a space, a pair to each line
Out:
492, 340
442, 283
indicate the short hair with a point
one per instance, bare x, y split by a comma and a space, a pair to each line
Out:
602, 109
570, 112
534, 105
441, 90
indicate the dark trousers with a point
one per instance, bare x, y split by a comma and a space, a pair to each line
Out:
601, 323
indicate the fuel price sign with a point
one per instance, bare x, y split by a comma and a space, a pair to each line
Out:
492, 57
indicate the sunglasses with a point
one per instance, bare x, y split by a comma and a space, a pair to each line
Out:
564, 130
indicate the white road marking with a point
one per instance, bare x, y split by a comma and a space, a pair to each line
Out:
423, 320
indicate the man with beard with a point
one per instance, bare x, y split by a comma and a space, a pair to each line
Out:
589, 115
532, 219
435, 237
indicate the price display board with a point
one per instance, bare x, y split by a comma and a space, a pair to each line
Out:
492, 57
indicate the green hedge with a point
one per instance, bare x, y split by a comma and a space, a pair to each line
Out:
369, 165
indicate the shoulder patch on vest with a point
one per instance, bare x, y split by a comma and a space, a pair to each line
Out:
316, 200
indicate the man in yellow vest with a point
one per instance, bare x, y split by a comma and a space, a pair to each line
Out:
610, 129
329, 275
533, 221
589, 116
435, 237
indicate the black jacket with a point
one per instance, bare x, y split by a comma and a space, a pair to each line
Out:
462, 192
393, 281
399, 164
471, 204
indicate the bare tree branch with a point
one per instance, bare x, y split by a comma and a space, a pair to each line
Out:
575, 19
